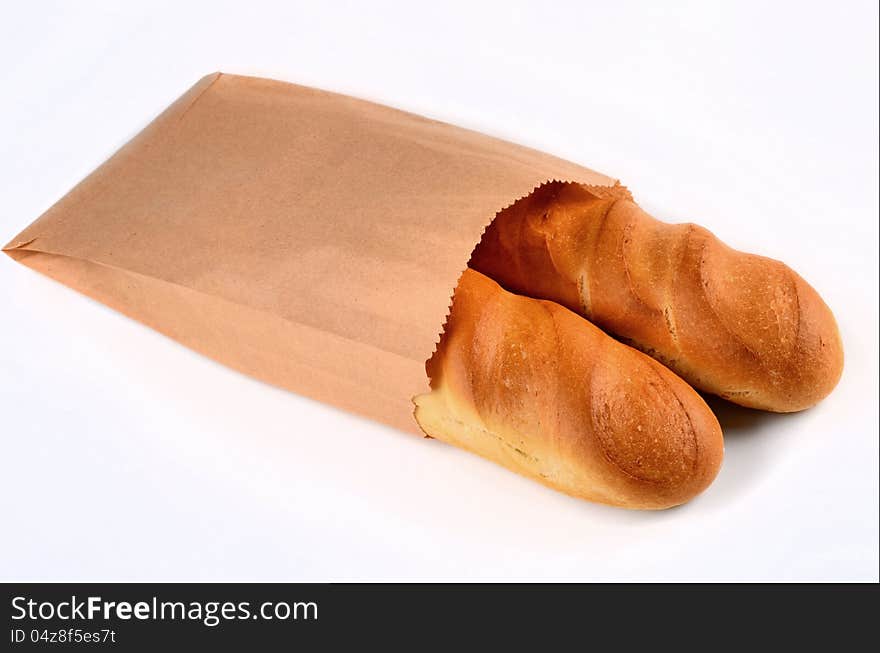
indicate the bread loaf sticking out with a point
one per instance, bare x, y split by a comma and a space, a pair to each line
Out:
536, 388
744, 327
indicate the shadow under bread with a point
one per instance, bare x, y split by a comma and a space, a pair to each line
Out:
752, 440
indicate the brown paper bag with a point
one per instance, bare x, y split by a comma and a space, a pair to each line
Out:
309, 239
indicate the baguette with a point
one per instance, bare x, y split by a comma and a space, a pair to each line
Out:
536, 388
744, 327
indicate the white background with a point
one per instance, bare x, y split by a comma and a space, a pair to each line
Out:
127, 457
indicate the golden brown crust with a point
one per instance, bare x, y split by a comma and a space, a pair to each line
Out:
737, 325
538, 389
